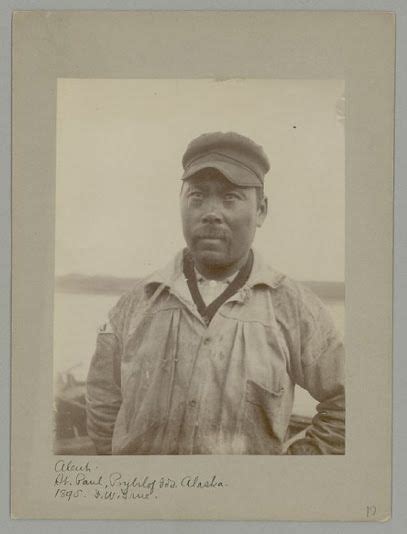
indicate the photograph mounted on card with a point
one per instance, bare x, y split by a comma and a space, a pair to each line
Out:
183, 236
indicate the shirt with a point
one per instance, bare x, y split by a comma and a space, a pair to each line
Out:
163, 382
211, 289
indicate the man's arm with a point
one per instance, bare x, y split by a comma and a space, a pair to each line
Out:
321, 372
324, 380
103, 397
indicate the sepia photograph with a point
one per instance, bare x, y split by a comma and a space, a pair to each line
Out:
199, 257
202, 265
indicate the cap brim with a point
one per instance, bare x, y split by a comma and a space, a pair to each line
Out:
235, 173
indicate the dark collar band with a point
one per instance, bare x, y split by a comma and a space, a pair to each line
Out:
207, 312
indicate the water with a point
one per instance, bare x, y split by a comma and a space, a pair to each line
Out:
77, 317
76, 320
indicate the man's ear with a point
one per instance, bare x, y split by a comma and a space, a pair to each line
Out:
262, 211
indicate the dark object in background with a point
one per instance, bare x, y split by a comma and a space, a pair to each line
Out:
70, 417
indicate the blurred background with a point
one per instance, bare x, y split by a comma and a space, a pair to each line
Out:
119, 150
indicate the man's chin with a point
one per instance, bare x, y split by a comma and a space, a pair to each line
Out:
210, 258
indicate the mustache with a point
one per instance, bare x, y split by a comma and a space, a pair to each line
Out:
210, 233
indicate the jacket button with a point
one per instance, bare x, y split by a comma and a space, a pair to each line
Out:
192, 403
207, 340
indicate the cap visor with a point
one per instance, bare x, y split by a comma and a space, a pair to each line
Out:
235, 173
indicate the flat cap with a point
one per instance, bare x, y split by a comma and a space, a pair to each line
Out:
238, 158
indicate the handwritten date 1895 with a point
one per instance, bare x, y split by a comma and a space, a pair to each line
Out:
68, 494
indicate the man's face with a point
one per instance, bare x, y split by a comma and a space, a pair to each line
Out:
219, 220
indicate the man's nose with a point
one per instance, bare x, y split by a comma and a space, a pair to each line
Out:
211, 218
212, 213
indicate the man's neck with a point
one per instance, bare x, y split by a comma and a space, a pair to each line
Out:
216, 272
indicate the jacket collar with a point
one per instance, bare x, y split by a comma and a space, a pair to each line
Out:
172, 274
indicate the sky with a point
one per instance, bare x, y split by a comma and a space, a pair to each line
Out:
119, 150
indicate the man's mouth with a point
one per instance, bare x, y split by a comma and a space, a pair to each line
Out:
216, 234
210, 239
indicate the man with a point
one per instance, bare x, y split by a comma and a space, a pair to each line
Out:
202, 357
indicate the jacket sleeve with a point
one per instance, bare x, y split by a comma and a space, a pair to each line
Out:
321, 372
103, 394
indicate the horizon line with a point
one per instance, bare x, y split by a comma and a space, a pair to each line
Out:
109, 284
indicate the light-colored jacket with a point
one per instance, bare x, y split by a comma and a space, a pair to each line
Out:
162, 382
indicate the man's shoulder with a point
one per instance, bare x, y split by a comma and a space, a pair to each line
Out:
130, 302
297, 290
290, 293
135, 291
141, 288
145, 286
297, 306
266, 275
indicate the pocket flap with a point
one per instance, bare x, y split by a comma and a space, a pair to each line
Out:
257, 394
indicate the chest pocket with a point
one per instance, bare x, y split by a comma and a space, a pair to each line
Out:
262, 419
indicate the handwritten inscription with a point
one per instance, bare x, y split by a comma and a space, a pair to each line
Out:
76, 480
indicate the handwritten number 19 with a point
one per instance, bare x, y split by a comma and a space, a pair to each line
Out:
370, 510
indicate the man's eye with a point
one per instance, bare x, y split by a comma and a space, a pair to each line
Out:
196, 195
230, 196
